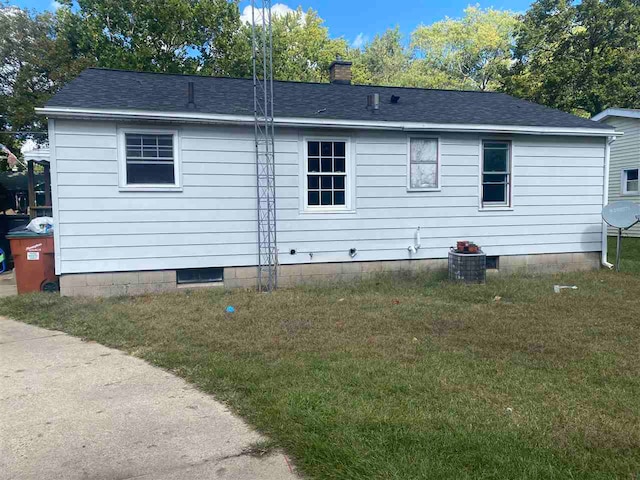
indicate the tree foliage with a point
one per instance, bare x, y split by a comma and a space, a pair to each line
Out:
383, 61
468, 53
177, 36
35, 63
580, 58
473, 52
302, 47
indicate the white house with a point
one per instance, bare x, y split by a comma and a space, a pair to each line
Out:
152, 190
625, 158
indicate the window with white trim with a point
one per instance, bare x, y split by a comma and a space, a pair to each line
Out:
150, 159
630, 181
423, 164
496, 173
326, 174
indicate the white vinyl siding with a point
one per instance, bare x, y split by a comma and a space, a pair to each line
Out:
212, 221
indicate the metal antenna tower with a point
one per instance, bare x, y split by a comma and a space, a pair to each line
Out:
262, 60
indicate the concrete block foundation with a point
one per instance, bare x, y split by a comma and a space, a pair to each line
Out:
157, 281
117, 283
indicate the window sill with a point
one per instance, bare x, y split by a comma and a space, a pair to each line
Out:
324, 211
497, 208
151, 188
631, 194
187, 286
419, 190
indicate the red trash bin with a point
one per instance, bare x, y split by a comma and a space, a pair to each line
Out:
33, 258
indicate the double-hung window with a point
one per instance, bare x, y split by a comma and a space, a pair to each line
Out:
149, 159
630, 181
496, 173
423, 164
326, 175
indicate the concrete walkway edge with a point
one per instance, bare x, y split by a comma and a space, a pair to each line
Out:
71, 409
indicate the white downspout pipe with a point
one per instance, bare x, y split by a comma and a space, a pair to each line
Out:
605, 199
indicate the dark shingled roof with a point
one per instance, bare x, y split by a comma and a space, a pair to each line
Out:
119, 89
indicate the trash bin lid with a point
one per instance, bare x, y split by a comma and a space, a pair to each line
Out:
23, 232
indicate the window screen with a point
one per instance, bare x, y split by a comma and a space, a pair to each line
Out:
496, 173
423, 163
326, 173
150, 159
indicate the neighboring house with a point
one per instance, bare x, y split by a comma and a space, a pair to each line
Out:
146, 183
624, 166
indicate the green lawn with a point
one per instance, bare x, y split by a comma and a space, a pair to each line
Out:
630, 260
403, 377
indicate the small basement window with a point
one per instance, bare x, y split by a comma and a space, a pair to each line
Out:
200, 275
493, 263
630, 181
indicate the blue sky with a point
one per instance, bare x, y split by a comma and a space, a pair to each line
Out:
365, 18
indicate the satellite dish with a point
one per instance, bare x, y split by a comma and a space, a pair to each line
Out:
621, 214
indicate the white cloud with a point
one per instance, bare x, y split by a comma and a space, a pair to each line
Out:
360, 40
277, 10
55, 5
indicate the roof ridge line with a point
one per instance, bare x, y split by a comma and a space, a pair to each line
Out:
298, 82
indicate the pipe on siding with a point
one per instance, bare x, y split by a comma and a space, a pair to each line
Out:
413, 249
605, 199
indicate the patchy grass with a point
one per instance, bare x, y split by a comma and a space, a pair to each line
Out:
630, 261
261, 448
403, 377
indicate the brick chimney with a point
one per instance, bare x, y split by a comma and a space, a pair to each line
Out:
340, 72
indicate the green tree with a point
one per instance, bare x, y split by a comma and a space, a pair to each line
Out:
468, 53
36, 62
302, 47
177, 36
383, 61
581, 58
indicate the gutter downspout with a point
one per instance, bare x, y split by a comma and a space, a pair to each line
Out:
605, 199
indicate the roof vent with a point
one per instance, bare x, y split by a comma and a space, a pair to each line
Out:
191, 96
395, 98
373, 101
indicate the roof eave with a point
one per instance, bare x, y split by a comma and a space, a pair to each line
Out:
616, 112
196, 117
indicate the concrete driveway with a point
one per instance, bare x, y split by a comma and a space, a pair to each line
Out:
8, 284
76, 410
